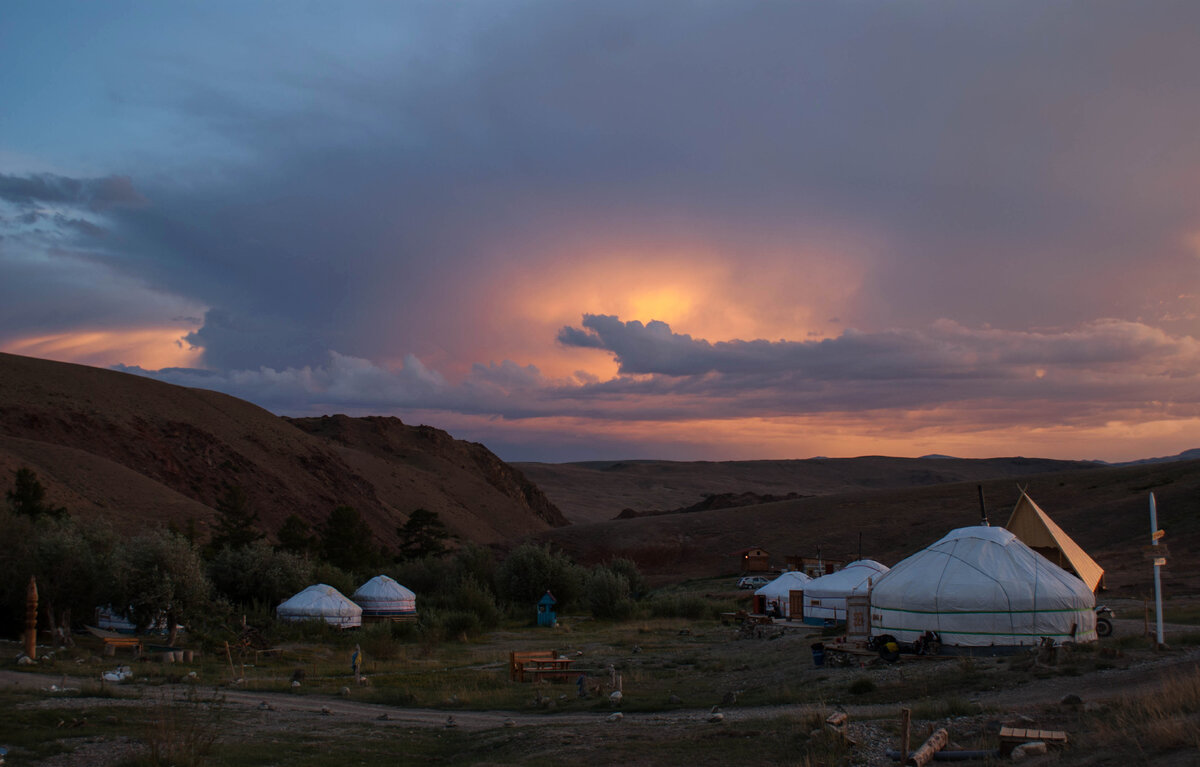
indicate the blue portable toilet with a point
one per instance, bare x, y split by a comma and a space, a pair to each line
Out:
546, 614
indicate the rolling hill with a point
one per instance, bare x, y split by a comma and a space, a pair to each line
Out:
1105, 509
596, 491
139, 452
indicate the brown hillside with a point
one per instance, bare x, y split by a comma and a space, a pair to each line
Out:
1104, 509
598, 491
140, 451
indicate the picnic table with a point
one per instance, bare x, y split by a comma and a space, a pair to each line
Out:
532, 665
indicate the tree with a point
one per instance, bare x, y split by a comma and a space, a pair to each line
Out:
237, 522
423, 535
347, 541
258, 573
163, 578
28, 497
530, 570
296, 537
608, 594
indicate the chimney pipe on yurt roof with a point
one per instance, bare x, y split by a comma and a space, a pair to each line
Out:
983, 520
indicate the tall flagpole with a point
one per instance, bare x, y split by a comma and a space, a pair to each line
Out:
1155, 534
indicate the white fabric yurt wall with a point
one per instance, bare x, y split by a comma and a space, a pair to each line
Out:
321, 602
825, 597
383, 597
980, 587
779, 590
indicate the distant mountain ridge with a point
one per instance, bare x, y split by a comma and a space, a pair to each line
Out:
596, 491
1186, 455
138, 451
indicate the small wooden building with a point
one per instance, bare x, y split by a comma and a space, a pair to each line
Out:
546, 615
754, 560
815, 567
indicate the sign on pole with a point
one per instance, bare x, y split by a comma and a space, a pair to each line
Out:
1158, 563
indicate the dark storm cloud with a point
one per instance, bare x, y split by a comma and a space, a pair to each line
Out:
1087, 375
363, 190
96, 194
335, 195
982, 144
944, 351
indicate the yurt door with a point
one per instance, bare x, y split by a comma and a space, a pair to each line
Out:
858, 618
795, 605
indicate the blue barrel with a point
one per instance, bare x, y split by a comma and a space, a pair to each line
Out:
818, 650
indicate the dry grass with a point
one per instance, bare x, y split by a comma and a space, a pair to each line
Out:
182, 733
1164, 720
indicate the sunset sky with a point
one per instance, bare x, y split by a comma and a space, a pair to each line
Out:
570, 231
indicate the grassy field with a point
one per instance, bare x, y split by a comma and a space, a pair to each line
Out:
671, 671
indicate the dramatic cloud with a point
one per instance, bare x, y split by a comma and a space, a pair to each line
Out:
983, 213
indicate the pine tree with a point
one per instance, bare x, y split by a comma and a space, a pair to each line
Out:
423, 535
296, 537
237, 521
347, 541
28, 497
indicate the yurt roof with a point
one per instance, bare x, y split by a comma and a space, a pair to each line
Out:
792, 580
1035, 529
381, 588
319, 601
849, 579
982, 585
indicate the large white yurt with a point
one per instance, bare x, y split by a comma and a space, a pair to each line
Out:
321, 602
382, 598
982, 587
780, 591
825, 597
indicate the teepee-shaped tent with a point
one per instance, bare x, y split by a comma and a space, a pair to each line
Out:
382, 598
321, 602
1037, 531
825, 597
780, 592
981, 587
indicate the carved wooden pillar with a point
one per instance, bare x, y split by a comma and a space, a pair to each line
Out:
31, 599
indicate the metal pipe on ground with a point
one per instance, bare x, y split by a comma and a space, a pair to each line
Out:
950, 756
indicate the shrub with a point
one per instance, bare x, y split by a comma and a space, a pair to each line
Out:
608, 594
530, 570
257, 573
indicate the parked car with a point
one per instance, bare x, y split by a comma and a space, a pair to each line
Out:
753, 582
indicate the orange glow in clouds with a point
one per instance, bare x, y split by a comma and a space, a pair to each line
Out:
149, 348
796, 294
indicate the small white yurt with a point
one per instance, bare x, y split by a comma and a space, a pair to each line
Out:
782, 592
825, 597
382, 598
321, 602
982, 587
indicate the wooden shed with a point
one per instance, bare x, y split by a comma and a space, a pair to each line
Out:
754, 560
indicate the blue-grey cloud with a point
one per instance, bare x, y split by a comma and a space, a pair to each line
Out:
306, 185
1085, 375
97, 194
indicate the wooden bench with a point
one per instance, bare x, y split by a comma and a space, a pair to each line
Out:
111, 643
1011, 737
531, 665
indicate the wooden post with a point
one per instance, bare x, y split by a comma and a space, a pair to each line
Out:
905, 732
31, 600
229, 656
923, 755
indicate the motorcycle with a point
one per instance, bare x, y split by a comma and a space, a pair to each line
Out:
1104, 616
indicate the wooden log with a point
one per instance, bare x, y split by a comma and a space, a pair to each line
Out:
905, 732
924, 755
